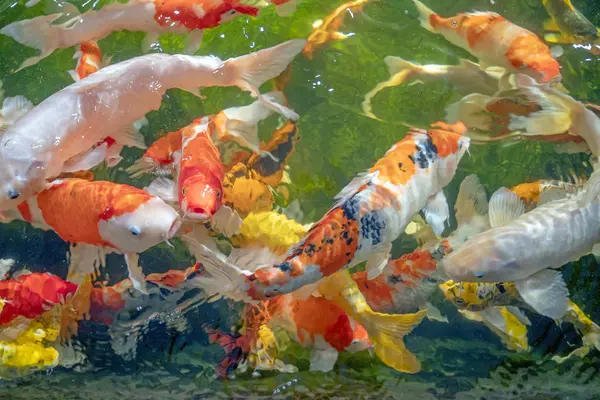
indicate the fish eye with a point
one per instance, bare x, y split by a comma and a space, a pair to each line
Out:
13, 194
454, 22
134, 230
459, 300
183, 191
523, 65
218, 193
231, 12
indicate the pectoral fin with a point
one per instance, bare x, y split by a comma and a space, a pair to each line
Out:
138, 279
377, 262
546, 292
436, 212
323, 359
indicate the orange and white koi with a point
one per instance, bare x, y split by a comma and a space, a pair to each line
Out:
101, 214
41, 143
326, 30
154, 17
494, 41
372, 211
89, 60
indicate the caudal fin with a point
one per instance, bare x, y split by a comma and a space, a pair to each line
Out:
400, 71
255, 69
388, 339
38, 33
235, 346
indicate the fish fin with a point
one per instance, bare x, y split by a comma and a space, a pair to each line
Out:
420, 230
236, 348
287, 8
471, 111
193, 41
227, 221
164, 188
471, 201
252, 70
31, 3
388, 342
141, 166
505, 206
138, 279
85, 161
551, 194
242, 122
323, 359
551, 25
75, 309
84, 260
396, 79
516, 311
250, 258
38, 33
546, 292
149, 41
224, 278
196, 92
377, 262
436, 212
494, 317
424, 15
5, 265
14, 108
351, 188
74, 75
434, 314
131, 136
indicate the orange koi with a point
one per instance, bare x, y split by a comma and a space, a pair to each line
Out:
326, 30
103, 215
89, 60
372, 211
494, 41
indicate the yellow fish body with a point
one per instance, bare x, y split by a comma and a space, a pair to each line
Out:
567, 24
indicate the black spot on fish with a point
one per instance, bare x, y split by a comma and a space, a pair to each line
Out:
310, 250
349, 241
372, 226
426, 153
500, 287
266, 165
394, 279
165, 292
351, 208
284, 266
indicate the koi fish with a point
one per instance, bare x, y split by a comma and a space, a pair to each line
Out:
41, 143
154, 17
364, 222
494, 41
28, 349
238, 124
467, 76
102, 215
326, 30
248, 184
514, 249
89, 60
569, 25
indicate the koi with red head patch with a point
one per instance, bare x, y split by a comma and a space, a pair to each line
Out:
102, 214
372, 211
155, 17
494, 41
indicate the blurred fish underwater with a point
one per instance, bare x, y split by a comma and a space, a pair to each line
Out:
388, 199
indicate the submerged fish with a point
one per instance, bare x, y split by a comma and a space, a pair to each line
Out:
326, 30
152, 16
41, 143
364, 222
103, 215
494, 41
89, 60
569, 25
521, 248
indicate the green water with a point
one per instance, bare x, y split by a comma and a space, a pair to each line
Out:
460, 359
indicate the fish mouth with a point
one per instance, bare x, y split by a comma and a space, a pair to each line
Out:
174, 228
199, 216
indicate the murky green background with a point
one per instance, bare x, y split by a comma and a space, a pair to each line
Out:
461, 359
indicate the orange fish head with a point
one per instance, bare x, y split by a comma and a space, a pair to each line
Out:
201, 197
545, 70
360, 340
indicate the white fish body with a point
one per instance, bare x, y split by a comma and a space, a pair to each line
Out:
107, 102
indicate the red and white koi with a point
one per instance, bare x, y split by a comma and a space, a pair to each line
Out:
40, 145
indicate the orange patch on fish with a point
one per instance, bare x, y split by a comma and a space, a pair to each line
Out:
198, 14
162, 150
90, 61
74, 207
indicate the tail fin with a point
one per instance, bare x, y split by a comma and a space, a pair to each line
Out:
471, 110
38, 33
400, 71
14, 108
236, 347
388, 339
386, 331
255, 69
242, 122
425, 14
471, 208
220, 277
75, 309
